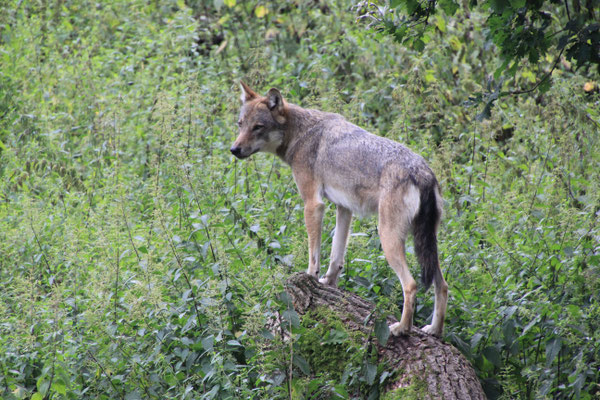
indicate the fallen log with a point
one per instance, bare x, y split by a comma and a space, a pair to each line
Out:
435, 368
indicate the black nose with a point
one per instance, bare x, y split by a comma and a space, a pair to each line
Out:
236, 151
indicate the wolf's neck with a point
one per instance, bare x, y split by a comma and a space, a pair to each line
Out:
300, 120
299, 127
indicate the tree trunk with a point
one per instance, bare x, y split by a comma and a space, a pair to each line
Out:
439, 369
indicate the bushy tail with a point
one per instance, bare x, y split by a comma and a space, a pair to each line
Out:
425, 236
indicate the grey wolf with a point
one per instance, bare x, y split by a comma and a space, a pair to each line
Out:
360, 173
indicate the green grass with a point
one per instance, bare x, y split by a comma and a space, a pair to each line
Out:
138, 259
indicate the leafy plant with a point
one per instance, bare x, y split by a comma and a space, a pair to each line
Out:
138, 259
527, 35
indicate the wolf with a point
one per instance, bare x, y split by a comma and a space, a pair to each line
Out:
360, 173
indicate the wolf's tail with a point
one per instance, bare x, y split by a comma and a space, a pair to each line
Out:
425, 234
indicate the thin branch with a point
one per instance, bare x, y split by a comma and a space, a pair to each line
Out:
129, 231
548, 74
116, 295
497, 243
208, 236
37, 240
180, 264
472, 163
122, 394
539, 181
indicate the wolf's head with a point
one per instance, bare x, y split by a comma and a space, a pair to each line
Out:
261, 122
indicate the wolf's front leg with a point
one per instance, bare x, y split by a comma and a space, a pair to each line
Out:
313, 217
338, 248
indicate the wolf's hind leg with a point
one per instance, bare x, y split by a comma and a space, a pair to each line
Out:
338, 248
392, 231
439, 308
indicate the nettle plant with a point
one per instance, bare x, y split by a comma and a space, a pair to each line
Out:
524, 33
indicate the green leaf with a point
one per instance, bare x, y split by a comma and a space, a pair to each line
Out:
512, 71
486, 113
291, 317
301, 363
531, 324
429, 76
418, 45
213, 393
170, 379
411, 6
267, 334
553, 347
260, 11
43, 385
218, 4
578, 383
475, 340
370, 373
533, 55
498, 6
501, 69
340, 390
574, 311
382, 332
449, 7
400, 33
285, 298
440, 23
208, 343
335, 336
384, 376
508, 329
510, 311
492, 354
545, 85
60, 387
516, 4
134, 395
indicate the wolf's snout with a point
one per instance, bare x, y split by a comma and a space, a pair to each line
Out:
236, 151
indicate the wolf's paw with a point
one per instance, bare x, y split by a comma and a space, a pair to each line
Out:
432, 330
398, 329
328, 281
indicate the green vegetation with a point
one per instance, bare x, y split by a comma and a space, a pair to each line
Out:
334, 359
417, 390
327, 345
539, 31
138, 259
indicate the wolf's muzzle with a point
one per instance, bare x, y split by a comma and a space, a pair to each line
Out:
236, 151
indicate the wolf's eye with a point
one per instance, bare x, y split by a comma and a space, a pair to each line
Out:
257, 127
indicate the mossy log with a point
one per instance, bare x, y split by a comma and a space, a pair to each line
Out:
438, 368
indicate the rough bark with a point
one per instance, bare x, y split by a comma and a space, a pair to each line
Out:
416, 359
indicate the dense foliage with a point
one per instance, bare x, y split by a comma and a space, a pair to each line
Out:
138, 259
540, 33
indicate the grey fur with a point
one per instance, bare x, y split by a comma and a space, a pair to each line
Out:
362, 174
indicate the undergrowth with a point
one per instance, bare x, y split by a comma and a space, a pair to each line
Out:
138, 259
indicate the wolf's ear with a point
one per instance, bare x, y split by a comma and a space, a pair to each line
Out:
274, 100
247, 93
